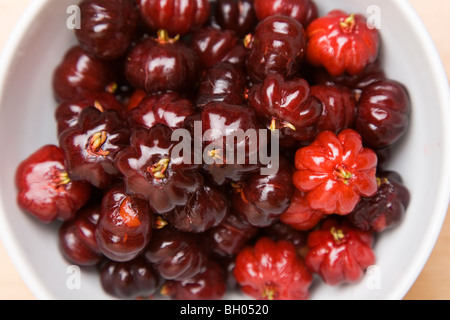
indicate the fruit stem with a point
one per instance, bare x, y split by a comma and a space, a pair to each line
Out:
163, 37
348, 24
248, 41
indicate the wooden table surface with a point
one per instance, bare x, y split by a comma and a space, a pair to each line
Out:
433, 282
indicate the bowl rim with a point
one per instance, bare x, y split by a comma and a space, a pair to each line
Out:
39, 289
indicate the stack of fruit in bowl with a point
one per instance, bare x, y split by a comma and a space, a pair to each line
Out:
154, 220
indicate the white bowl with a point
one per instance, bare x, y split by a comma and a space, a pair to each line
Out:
26, 123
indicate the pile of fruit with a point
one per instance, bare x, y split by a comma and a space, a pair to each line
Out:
151, 222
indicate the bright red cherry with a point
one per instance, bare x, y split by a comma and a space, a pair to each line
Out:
339, 253
300, 215
335, 171
272, 270
45, 188
342, 43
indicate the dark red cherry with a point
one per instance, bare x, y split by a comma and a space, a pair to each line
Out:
205, 209
261, 199
210, 284
236, 15
175, 255
153, 171
162, 64
79, 72
67, 112
339, 107
133, 279
227, 128
278, 46
77, 240
213, 46
304, 11
125, 225
281, 231
91, 146
45, 189
107, 27
383, 113
287, 105
223, 82
169, 109
372, 73
387, 208
230, 236
178, 17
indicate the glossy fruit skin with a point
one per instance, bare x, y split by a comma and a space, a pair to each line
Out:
161, 65
386, 209
175, 16
335, 171
124, 227
107, 27
205, 209
300, 215
208, 285
79, 72
223, 82
339, 107
213, 46
220, 121
339, 253
304, 11
342, 43
230, 237
44, 188
77, 240
272, 270
261, 199
278, 46
168, 108
169, 186
129, 280
287, 105
90, 146
372, 72
383, 113
175, 255
236, 15
68, 112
